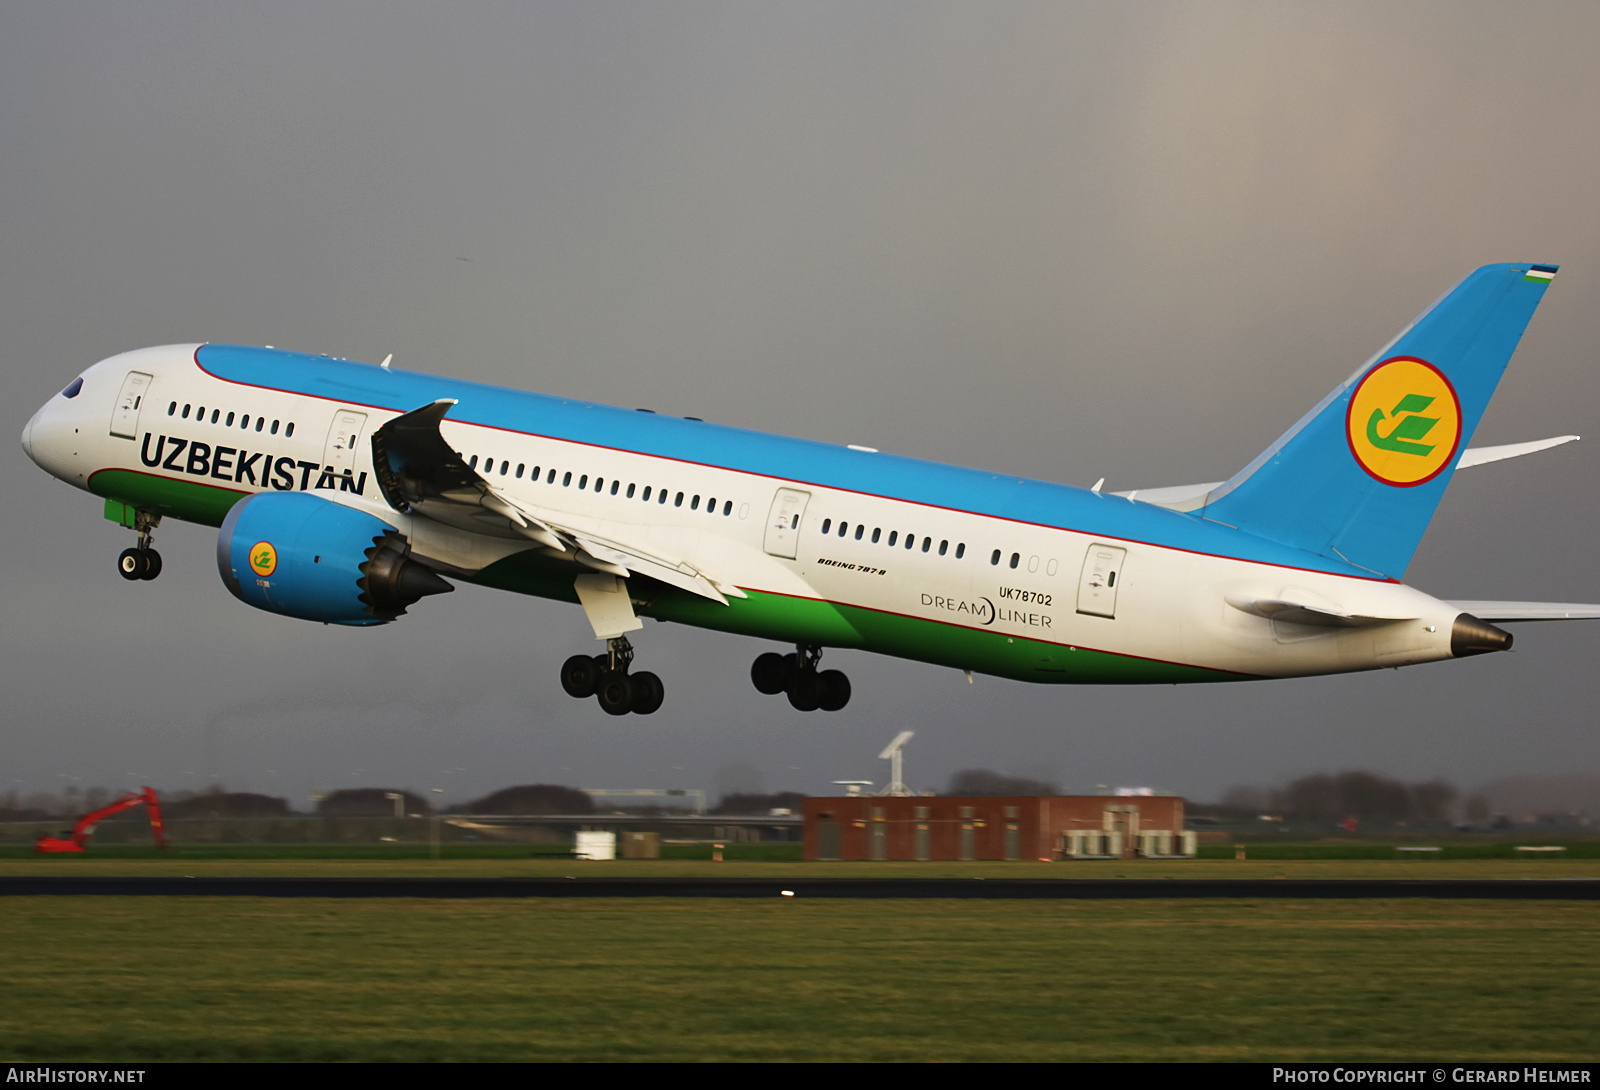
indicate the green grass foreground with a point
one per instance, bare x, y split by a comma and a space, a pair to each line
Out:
151, 978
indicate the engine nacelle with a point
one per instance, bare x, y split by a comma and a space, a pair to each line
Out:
304, 556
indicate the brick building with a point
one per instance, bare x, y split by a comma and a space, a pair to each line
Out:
1025, 827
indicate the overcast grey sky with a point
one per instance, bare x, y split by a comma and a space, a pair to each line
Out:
1131, 240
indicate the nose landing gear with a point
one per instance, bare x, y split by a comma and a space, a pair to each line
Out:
142, 562
797, 675
606, 678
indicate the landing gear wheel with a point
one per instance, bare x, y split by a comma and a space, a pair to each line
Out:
770, 672
580, 675
833, 690
130, 564
648, 692
152, 564
615, 693
804, 691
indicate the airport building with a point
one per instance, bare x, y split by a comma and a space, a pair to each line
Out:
923, 827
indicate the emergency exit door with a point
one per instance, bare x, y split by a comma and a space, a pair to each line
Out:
1097, 586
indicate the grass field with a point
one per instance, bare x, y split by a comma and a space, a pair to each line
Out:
146, 979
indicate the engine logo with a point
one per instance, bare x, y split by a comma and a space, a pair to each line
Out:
263, 558
1404, 422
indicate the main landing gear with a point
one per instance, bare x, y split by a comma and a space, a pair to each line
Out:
796, 674
142, 562
606, 678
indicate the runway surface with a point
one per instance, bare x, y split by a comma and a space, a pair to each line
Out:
1574, 889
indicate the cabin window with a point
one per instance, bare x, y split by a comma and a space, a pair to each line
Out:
244, 422
566, 479
551, 479
614, 486
927, 543
679, 501
843, 526
599, 484
694, 505
630, 492
172, 410
534, 476
646, 493
711, 506
875, 532
228, 422
859, 529
961, 550
893, 534
520, 467
274, 427
794, 522
290, 431
911, 539
186, 412
1014, 558
995, 559
473, 461
943, 545
200, 415
727, 508
826, 523
505, 466
215, 413
661, 495
583, 481
261, 422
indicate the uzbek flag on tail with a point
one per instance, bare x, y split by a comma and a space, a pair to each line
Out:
1545, 273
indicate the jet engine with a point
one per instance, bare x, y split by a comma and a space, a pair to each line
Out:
307, 557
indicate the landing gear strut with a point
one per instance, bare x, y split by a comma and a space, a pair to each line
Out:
606, 678
142, 562
797, 675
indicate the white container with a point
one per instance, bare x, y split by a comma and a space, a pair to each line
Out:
597, 846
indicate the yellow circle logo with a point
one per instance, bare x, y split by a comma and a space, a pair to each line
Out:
1404, 422
263, 558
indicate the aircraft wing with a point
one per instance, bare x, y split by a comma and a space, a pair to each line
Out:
1185, 497
1499, 612
418, 472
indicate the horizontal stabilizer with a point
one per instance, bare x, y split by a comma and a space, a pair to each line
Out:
1530, 611
1186, 497
1298, 613
1477, 456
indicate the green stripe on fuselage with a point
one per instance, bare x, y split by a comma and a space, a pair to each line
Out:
186, 500
829, 624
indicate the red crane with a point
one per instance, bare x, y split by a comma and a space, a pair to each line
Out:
78, 839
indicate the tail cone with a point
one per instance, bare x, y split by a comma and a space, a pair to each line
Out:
1471, 636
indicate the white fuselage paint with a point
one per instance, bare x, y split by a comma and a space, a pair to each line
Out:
1171, 605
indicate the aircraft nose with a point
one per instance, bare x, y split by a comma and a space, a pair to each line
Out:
27, 434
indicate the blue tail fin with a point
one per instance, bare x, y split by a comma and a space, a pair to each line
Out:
1360, 475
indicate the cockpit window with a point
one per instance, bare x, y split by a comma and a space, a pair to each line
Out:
72, 388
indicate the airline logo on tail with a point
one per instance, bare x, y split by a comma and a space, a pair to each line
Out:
1404, 422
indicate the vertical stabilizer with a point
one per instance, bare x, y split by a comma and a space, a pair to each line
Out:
1359, 477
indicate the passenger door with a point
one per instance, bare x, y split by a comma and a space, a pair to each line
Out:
125, 414
1097, 585
783, 522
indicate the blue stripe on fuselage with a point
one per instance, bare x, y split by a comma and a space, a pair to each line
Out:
787, 459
